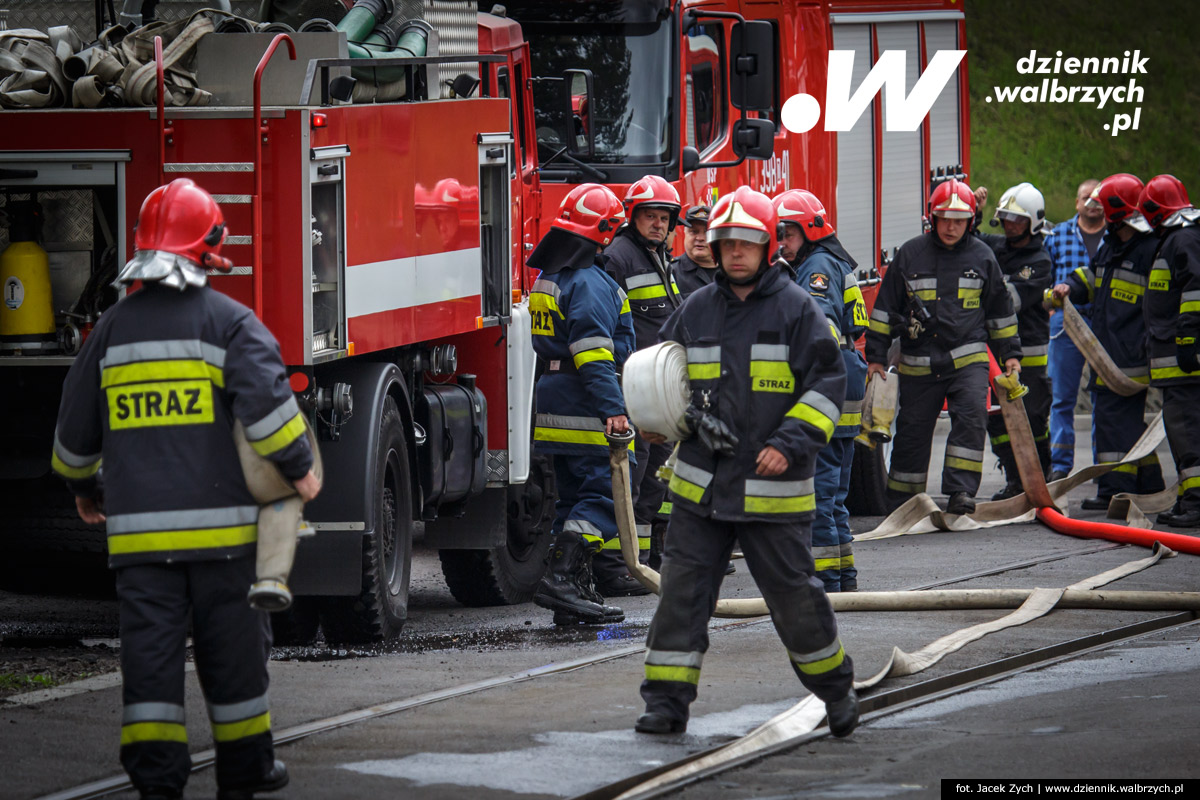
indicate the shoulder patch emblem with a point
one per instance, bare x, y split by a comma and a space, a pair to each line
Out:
1026, 273
819, 282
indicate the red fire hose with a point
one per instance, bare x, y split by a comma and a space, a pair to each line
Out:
1118, 533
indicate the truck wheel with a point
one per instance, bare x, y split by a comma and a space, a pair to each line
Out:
868, 481
298, 625
380, 611
509, 575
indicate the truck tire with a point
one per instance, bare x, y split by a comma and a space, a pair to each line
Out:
379, 612
298, 625
868, 481
509, 575
40, 516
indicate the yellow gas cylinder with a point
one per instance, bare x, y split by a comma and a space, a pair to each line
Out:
26, 305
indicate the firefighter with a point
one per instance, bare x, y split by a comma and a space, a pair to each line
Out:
767, 386
582, 334
695, 267
155, 391
638, 260
1172, 309
825, 270
944, 296
1115, 285
1028, 272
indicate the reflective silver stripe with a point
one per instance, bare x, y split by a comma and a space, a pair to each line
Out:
703, 354
973, 347
1135, 278
182, 520
1035, 349
273, 421
574, 423
923, 283
1160, 363
970, 283
769, 352
548, 287
236, 712
964, 452
1190, 472
165, 350
692, 474
849, 282
821, 403
621, 294
834, 551
591, 343
643, 280
152, 712
1002, 322
72, 459
1012, 294
879, 315
816, 655
643, 529
1105, 458
1189, 297
1135, 372
909, 477
851, 406
668, 658
758, 488
582, 526
914, 361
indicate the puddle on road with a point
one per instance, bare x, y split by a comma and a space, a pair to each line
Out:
611, 755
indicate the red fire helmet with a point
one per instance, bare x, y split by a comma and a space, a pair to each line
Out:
1163, 196
952, 199
183, 219
802, 208
592, 211
652, 192
747, 215
1117, 195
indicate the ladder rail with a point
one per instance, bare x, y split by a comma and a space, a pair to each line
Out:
260, 136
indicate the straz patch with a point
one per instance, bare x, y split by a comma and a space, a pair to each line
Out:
144, 405
819, 282
543, 322
1124, 296
771, 376
774, 384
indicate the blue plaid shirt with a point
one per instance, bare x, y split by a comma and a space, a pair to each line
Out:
1068, 251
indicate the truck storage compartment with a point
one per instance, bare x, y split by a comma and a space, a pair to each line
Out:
453, 462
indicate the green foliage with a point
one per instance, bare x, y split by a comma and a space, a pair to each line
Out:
14, 681
1057, 145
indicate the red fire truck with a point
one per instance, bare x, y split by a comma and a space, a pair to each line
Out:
383, 243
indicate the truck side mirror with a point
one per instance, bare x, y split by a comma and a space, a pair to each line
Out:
754, 138
689, 159
580, 87
752, 66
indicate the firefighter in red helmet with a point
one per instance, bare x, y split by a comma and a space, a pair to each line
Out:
944, 296
155, 391
639, 261
1172, 309
767, 385
582, 334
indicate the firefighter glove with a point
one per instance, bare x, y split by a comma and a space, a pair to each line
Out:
1186, 355
713, 433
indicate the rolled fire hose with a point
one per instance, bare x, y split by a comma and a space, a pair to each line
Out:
1095, 354
279, 519
657, 393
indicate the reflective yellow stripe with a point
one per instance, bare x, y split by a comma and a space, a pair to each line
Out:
780, 505
615, 543
596, 354
824, 665
926, 294
199, 539
1126, 291
686, 489
910, 369
772, 376
76, 473
569, 436
666, 508
910, 488
1160, 280
825, 564
625, 306
648, 292
1188, 483
961, 463
173, 370
806, 413
232, 731
677, 674
1002, 333
1189, 307
704, 371
1034, 361
539, 301
1002, 439
850, 419
976, 358
848, 561
1134, 378
880, 327
292, 430
137, 732
968, 294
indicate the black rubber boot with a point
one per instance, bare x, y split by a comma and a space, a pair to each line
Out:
586, 581
1096, 503
960, 503
843, 714
560, 589
1011, 489
275, 780
1184, 519
654, 722
1056, 475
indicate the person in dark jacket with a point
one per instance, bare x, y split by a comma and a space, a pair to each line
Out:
695, 268
1172, 310
582, 334
1028, 272
145, 440
944, 296
1115, 285
638, 261
767, 385
825, 270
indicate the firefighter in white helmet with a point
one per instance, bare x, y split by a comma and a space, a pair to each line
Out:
155, 391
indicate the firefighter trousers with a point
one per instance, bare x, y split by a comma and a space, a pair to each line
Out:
964, 391
1120, 422
833, 553
1181, 416
1037, 409
585, 503
231, 643
779, 557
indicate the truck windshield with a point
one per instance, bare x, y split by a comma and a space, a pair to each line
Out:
628, 47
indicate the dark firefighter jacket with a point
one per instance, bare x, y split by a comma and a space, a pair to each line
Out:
582, 332
769, 368
646, 278
1173, 305
154, 392
690, 276
1028, 272
1115, 285
962, 289
831, 282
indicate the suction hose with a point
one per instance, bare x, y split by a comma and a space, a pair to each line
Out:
1118, 533
374, 31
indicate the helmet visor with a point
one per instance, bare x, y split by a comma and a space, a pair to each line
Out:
1011, 216
952, 213
734, 232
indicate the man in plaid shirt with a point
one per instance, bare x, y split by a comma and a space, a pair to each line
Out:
1071, 245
